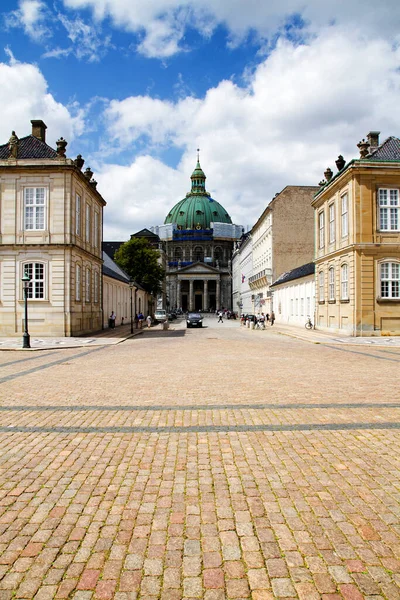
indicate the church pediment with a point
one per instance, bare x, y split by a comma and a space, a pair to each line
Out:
198, 267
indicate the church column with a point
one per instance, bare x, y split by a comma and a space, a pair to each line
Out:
178, 294
218, 295
205, 295
191, 295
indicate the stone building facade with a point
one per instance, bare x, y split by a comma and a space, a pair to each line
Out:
198, 236
357, 241
50, 228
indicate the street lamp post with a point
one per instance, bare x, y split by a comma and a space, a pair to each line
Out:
26, 340
131, 286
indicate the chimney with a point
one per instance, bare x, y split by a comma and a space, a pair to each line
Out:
373, 139
39, 129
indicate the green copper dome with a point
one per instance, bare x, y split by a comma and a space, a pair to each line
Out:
198, 209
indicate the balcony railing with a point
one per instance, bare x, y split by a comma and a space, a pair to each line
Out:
258, 276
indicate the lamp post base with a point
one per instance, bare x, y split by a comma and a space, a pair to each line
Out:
26, 340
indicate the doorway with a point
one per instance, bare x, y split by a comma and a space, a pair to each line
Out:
198, 302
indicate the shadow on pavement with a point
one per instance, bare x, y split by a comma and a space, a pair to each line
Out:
160, 333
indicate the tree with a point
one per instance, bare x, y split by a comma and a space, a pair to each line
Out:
140, 261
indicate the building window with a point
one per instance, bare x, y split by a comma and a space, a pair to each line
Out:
88, 282
78, 283
87, 222
178, 253
345, 215
96, 286
36, 272
96, 230
321, 285
199, 254
34, 208
331, 223
291, 307
302, 307
389, 208
331, 283
344, 282
321, 227
390, 280
309, 305
78, 205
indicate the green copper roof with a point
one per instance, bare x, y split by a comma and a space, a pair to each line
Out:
198, 209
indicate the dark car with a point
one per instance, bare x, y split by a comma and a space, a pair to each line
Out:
194, 320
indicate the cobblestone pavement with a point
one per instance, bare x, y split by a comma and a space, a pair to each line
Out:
213, 463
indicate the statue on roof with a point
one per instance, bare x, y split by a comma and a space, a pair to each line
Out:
13, 144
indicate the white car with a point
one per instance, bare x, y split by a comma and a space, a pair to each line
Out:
160, 315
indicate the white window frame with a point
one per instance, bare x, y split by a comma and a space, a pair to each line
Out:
388, 209
345, 214
331, 283
78, 214
88, 282
302, 307
321, 286
88, 222
332, 223
389, 279
78, 283
344, 281
321, 228
37, 287
35, 204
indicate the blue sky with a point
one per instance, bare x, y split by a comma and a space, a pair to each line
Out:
271, 93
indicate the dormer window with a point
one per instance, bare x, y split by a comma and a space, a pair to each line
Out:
181, 213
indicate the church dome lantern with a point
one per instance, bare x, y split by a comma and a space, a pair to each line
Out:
197, 210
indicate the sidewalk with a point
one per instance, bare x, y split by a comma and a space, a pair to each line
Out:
107, 337
321, 337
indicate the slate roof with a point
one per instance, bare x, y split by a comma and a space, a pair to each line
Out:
111, 247
389, 150
303, 271
147, 234
111, 269
29, 147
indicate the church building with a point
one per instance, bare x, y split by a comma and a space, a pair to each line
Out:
198, 235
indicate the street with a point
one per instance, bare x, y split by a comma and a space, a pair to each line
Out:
200, 463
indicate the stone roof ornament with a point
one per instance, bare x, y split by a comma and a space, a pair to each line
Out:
88, 173
340, 162
61, 146
13, 144
79, 161
328, 174
363, 146
93, 183
322, 182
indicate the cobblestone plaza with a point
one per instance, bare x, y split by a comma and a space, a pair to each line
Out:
213, 463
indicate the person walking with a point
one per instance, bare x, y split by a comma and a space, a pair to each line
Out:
272, 317
113, 316
220, 315
136, 321
148, 319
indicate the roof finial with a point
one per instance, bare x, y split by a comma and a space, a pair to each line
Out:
198, 155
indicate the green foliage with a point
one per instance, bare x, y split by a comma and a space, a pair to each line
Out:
140, 261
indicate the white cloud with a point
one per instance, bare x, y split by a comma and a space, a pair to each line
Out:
31, 16
302, 107
24, 96
163, 23
88, 41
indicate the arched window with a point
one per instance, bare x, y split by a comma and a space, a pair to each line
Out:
344, 282
331, 295
178, 253
36, 272
390, 279
198, 254
218, 254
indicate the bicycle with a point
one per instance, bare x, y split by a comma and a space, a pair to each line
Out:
309, 324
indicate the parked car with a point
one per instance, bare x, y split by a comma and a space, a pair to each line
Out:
160, 315
171, 316
194, 320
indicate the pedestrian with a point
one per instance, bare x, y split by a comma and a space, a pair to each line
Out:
136, 321
262, 321
141, 319
220, 315
272, 318
113, 316
148, 319
267, 317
